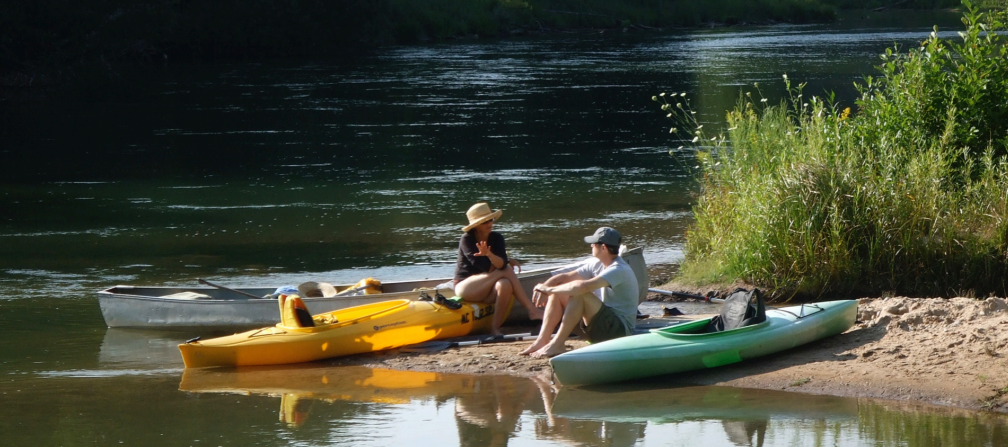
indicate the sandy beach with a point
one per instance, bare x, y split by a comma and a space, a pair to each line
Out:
948, 352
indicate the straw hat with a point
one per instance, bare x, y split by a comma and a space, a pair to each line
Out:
480, 213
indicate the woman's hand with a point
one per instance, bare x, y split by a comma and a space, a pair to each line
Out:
483, 248
514, 264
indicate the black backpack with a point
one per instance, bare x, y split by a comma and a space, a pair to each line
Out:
741, 308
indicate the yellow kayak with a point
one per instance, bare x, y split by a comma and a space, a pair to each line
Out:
354, 330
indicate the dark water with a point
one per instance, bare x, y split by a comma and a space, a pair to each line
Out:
280, 173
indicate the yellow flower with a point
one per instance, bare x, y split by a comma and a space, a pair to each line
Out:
845, 113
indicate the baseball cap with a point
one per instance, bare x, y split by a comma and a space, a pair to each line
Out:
604, 235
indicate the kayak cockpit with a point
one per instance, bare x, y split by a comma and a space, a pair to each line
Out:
701, 328
344, 317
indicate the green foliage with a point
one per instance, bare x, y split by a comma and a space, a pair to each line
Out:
910, 195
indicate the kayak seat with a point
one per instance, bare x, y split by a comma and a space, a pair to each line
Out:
741, 308
294, 313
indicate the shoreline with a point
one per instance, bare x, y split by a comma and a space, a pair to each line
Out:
936, 351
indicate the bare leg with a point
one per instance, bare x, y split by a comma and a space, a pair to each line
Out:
477, 288
502, 297
578, 307
548, 393
554, 313
534, 312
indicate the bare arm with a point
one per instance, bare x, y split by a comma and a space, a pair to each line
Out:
576, 287
570, 283
484, 250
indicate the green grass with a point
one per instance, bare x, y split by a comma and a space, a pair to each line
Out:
908, 194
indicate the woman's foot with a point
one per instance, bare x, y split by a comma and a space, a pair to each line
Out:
536, 313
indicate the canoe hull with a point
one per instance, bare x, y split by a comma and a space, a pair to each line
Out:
370, 328
153, 307
676, 349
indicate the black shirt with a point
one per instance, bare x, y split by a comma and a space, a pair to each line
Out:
469, 264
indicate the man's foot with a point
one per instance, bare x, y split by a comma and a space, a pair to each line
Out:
535, 346
549, 351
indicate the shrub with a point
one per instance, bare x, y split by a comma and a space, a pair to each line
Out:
908, 195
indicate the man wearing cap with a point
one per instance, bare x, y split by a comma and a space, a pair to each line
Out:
570, 298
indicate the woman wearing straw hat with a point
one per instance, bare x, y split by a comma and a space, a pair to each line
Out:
483, 273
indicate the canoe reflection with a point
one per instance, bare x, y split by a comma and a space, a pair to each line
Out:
138, 348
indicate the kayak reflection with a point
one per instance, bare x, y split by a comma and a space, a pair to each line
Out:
744, 413
488, 409
636, 404
493, 409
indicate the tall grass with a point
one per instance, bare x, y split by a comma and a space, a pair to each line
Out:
909, 194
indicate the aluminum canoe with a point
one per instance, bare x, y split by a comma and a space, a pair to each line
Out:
127, 306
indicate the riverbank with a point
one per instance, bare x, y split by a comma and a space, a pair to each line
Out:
949, 352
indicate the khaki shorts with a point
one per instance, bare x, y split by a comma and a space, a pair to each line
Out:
605, 325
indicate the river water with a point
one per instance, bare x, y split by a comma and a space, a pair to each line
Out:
273, 174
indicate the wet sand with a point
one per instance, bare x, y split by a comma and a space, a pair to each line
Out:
949, 352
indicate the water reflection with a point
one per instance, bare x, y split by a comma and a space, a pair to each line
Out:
488, 410
746, 433
495, 409
137, 348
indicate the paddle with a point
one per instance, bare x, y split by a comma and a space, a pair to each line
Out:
203, 281
687, 295
441, 345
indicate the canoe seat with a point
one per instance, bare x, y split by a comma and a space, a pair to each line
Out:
741, 308
188, 296
635, 258
294, 313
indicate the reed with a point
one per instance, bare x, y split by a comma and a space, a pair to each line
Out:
907, 195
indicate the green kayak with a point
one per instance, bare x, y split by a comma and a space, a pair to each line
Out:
687, 347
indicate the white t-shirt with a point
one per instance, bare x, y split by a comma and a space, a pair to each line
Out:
622, 293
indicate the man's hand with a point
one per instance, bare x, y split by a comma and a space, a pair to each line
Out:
540, 295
